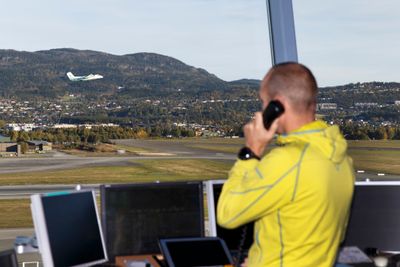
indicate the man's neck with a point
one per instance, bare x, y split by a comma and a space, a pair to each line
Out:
297, 122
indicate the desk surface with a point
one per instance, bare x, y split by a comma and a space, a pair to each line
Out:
120, 261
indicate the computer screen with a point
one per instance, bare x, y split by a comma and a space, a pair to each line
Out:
8, 258
188, 252
375, 216
232, 237
68, 229
136, 216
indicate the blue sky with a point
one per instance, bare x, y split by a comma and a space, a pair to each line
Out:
342, 41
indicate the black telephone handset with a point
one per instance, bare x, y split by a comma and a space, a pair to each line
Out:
271, 112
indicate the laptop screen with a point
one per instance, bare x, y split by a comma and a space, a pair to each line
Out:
188, 252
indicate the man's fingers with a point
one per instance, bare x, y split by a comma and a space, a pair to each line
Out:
274, 126
258, 119
245, 263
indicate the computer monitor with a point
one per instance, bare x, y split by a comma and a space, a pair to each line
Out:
68, 228
232, 237
136, 216
375, 216
188, 252
8, 258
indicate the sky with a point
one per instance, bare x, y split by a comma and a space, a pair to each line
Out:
342, 41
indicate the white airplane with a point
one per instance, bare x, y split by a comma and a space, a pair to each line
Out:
89, 77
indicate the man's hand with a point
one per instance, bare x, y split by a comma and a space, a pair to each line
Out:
256, 136
245, 263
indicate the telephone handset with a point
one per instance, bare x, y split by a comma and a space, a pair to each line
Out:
271, 112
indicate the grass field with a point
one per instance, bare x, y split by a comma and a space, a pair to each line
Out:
376, 161
15, 213
139, 171
374, 144
371, 156
375, 156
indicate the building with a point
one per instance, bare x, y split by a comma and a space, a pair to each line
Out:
64, 126
326, 106
367, 104
39, 146
27, 127
10, 149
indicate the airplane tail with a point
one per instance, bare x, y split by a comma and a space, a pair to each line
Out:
70, 75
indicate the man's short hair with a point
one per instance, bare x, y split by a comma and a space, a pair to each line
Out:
294, 81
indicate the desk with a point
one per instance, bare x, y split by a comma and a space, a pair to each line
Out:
120, 261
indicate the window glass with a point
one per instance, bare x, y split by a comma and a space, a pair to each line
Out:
352, 48
144, 76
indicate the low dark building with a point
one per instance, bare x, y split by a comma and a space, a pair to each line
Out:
10, 148
39, 146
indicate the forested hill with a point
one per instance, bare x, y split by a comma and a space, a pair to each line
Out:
43, 74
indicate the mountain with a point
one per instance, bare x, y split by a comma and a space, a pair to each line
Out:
43, 74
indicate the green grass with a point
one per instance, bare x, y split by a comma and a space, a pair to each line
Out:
374, 144
371, 156
15, 213
377, 161
140, 171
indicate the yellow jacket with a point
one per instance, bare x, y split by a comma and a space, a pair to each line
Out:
299, 196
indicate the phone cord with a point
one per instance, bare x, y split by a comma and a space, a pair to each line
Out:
239, 256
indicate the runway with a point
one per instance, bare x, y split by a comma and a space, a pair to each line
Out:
16, 165
157, 149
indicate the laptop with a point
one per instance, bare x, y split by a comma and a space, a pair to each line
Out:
195, 252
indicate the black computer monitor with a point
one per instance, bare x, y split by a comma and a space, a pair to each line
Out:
68, 228
375, 216
136, 216
8, 258
237, 239
188, 252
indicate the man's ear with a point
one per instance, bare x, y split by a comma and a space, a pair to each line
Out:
284, 101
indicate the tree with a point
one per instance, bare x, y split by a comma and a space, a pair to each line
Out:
24, 147
22, 136
14, 136
142, 134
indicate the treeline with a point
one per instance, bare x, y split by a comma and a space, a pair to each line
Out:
353, 131
96, 134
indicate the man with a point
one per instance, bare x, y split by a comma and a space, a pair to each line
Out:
300, 192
